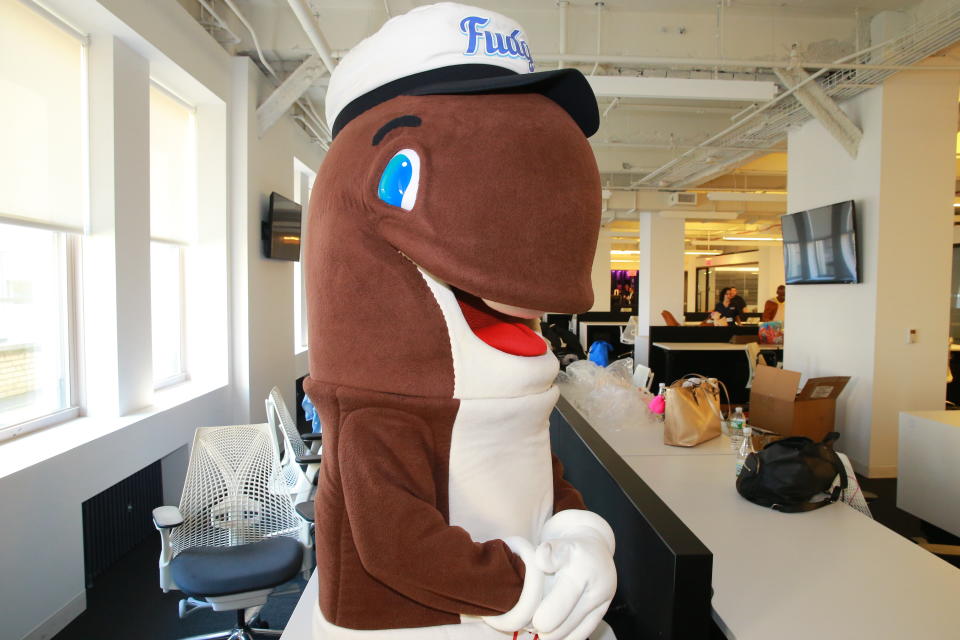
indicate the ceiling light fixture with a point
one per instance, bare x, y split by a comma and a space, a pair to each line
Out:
748, 196
751, 239
702, 253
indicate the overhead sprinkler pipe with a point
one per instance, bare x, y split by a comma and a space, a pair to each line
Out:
253, 35
220, 22
599, 6
562, 5
316, 38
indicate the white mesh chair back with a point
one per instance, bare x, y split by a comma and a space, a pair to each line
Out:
642, 377
230, 494
279, 417
285, 430
853, 494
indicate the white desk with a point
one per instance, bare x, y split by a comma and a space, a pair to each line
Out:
830, 573
300, 625
700, 346
928, 484
647, 440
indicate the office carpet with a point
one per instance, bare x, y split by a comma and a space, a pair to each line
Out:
126, 602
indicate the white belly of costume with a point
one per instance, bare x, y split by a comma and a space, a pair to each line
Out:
501, 479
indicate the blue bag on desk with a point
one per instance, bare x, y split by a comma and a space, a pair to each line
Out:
787, 474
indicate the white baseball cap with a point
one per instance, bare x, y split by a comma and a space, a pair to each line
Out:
450, 48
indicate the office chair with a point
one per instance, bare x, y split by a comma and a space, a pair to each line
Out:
669, 319
234, 537
642, 377
297, 449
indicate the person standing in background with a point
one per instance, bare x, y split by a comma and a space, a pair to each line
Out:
774, 309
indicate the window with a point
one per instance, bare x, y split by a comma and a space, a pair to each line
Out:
303, 178
43, 196
35, 323
173, 207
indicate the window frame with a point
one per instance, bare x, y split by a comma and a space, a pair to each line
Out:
184, 374
69, 249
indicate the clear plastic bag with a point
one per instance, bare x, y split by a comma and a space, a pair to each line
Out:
606, 396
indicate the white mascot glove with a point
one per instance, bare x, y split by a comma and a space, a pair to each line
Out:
577, 554
530, 595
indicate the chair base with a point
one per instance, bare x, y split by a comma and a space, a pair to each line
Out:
247, 633
242, 631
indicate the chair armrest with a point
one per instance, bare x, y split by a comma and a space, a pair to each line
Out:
305, 510
310, 437
309, 459
167, 517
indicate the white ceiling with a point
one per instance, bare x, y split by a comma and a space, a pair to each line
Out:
689, 39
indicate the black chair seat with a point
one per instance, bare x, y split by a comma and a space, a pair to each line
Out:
220, 571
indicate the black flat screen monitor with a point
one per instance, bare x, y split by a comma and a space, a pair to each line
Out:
281, 231
820, 245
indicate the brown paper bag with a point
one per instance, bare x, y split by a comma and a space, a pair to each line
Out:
693, 413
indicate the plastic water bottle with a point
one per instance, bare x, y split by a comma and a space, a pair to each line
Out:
746, 448
736, 423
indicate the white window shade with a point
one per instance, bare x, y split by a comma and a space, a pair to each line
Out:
42, 128
173, 168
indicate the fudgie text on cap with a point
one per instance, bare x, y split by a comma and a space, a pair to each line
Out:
494, 43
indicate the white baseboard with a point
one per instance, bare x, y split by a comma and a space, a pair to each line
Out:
60, 619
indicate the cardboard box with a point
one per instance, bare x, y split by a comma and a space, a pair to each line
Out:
776, 406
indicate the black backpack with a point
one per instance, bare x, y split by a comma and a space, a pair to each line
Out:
787, 473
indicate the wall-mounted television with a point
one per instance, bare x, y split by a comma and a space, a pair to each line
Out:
281, 229
820, 245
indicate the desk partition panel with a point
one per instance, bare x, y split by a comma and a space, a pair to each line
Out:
663, 570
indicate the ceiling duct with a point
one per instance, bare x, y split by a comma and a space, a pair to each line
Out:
683, 199
915, 43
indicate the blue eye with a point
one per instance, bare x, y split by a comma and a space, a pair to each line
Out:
400, 180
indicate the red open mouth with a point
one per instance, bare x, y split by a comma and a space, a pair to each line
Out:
500, 331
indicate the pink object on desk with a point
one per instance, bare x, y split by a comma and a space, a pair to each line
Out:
658, 404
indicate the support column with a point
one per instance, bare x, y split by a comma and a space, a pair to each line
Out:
660, 279
116, 255
600, 274
902, 183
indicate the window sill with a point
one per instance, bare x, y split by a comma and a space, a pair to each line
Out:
28, 449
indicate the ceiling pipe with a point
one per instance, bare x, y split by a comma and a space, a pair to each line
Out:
310, 27
750, 116
562, 5
599, 6
610, 107
306, 123
220, 22
253, 35
643, 61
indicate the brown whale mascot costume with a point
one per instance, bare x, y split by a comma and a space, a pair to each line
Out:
459, 198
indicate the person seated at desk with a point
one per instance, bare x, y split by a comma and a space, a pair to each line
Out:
715, 319
731, 305
775, 308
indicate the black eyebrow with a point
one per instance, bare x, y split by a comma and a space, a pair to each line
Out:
402, 121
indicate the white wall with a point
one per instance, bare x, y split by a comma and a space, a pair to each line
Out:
267, 307
902, 184
47, 474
